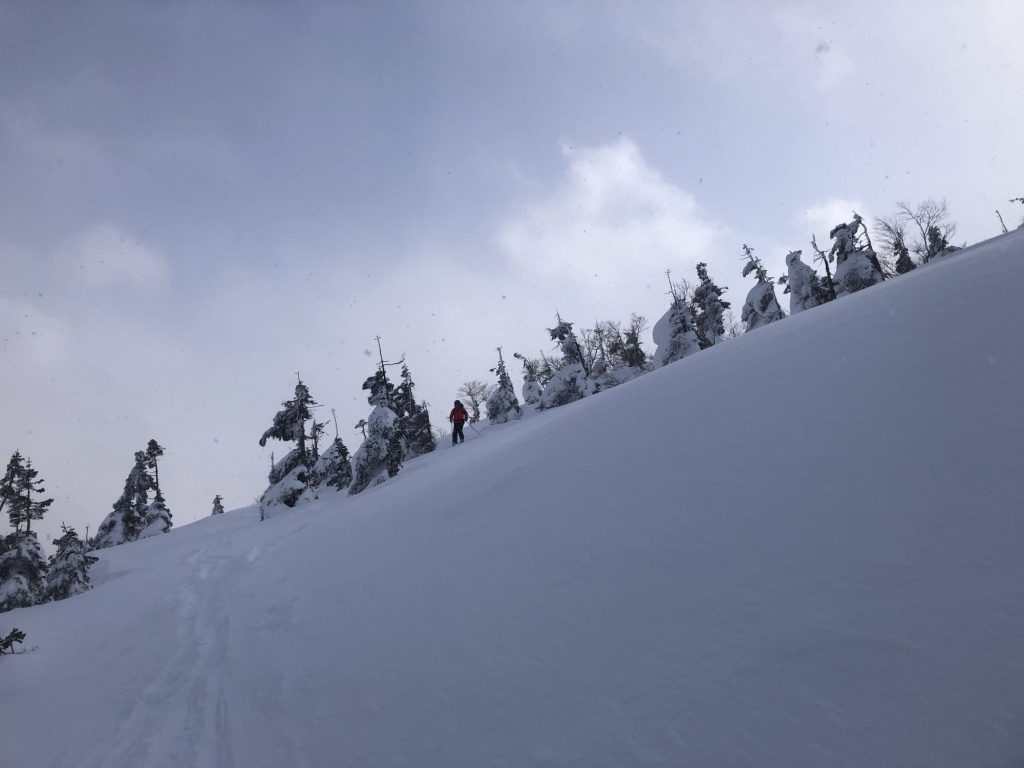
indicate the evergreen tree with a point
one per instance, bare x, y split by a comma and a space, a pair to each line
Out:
674, 333
290, 476
157, 518
571, 381
17, 487
290, 422
857, 265
502, 404
22, 572
904, 263
334, 467
129, 515
413, 418
69, 567
7, 642
381, 450
761, 307
153, 452
532, 388
11, 500
803, 285
708, 309
420, 437
218, 507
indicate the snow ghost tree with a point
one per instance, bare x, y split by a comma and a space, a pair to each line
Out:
289, 477
674, 333
69, 567
857, 265
762, 307
384, 447
380, 452
708, 309
572, 380
218, 506
129, 516
803, 285
502, 404
532, 389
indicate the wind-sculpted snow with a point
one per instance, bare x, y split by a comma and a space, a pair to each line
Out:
801, 547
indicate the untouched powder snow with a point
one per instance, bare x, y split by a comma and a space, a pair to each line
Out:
802, 547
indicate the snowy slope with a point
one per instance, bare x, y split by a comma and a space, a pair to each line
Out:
800, 548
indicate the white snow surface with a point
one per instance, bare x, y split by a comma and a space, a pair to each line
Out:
633, 579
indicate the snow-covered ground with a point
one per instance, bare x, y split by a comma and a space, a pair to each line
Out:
800, 548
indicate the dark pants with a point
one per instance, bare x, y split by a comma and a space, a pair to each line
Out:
457, 436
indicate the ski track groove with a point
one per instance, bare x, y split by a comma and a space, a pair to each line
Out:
190, 685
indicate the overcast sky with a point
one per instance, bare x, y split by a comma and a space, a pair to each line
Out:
198, 200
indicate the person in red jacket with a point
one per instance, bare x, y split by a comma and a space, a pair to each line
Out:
458, 417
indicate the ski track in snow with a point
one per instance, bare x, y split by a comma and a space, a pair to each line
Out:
181, 718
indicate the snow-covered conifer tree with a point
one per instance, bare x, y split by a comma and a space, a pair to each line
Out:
11, 499
502, 403
532, 389
572, 380
22, 571
381, 451
290, 476
218, 506
22, 565
857, 265
761, 307
334, 467
904, 262
69, 567
128, 517
708, 309
19, 484
157, 516
413, 417
674, 332
803, 285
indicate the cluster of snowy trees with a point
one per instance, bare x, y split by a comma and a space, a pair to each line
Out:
26, 578
398, 428
137, 515
591, 360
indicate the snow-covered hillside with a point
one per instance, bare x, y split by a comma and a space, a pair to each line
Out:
800, 548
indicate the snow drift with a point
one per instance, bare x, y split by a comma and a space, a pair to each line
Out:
798, 548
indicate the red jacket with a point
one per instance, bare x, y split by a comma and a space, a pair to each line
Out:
458, 415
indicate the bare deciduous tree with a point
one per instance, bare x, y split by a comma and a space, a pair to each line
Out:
476, 392
931, 224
